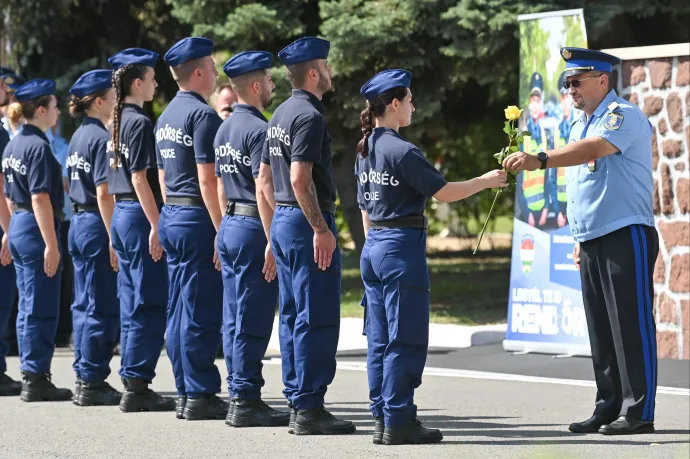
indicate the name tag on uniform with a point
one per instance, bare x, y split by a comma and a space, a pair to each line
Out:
592, 165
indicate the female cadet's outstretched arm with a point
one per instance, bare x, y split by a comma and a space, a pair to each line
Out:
43, 210
455, 191
148, 203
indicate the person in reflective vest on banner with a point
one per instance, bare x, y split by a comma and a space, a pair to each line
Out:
95, 309
559, 196
188, 224
143, 276
33, 183
303, 238
8, 278
610, 186
251, 290
394, 181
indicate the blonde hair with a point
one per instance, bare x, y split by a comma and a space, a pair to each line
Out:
15, 112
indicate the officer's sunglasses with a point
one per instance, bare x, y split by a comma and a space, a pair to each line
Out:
576, 83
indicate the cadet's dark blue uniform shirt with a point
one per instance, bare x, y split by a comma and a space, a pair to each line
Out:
184, 138
87, 162
239, 145
137, 152
30, 168
395, 179
297, 131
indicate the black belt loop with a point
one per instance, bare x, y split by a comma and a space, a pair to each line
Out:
193, 201
240, 209
325, 206
412, 221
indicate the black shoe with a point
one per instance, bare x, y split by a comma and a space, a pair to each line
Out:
138, 397
98, 394
591, 425
8, 386
378, 430
77, 390
293, 416
37, 387
320, 421
627, 426
180, 406
256, 413
412, 433
205, 407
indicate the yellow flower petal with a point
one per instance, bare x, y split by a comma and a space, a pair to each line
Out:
512, 113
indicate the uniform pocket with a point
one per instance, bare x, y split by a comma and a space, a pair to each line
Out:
412, 315
323, 297
258, 308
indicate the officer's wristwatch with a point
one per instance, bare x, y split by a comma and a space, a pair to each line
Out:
543, 157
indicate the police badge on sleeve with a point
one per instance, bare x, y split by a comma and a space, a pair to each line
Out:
613, 121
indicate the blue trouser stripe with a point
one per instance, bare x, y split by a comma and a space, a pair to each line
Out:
639, 275
649, 320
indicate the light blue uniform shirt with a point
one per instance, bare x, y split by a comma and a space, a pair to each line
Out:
615, 191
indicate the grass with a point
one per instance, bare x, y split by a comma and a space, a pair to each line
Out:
465, 289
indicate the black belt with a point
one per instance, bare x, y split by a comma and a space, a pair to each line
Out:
325, 206
132, 197
79, 208
193, 201
59, 214
245, 210
412, 221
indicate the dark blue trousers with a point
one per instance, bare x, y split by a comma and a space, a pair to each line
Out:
396, 283
309, 308
8, 287
142, 290
194, 313
95, 309
39, 295
249, 303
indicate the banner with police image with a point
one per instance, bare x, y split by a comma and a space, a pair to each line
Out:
545, 312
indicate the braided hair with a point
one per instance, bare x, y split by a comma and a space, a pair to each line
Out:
375, 109
80, 105
122, 83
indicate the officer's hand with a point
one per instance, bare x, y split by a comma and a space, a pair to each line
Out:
51, 260
530, 219
155, 248
5, 255
495, 179
562, 220
216, 258
269, 269
521, 161
544, 214
324, 246
576, 255
113, 259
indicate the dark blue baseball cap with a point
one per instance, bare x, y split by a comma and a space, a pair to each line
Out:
304, 49
384, 81
35, 89
188, 49
133, 56
91, 82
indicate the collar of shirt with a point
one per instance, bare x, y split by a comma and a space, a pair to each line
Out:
190, 95
304, 94
133, 107
91, 120
246, 108
30, 129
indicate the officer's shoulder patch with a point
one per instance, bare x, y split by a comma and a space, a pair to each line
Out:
613, 121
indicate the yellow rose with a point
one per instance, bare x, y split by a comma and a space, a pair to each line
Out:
512, 113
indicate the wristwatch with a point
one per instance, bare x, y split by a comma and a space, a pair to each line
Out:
542, 157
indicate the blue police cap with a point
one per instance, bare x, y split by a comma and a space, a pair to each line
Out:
35, 89
580, 60
133, 56
13, 80
384, 81
188, 49
91, 82
246, 62
536, 86
304, 49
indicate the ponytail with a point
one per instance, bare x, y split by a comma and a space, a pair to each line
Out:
15, 112
376, 109
366, 122
122, 83
78, 106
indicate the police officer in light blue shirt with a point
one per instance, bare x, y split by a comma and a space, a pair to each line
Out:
95, 309
188, 224
297, 158
143, 274
609, 160
33, 182
251, 291
394, 181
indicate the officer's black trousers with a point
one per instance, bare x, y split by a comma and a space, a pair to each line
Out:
618, 291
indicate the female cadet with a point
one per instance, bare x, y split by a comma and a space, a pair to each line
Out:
143, 276
95, 308
394, 182
33, 183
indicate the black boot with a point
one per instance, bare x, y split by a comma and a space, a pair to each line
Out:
38, 387
8, 386
180, 405
77, 390
378, 430
591, 425
256, 413
412, 433
205, 407
627, 426
98, 394
293, 416
320, 421
138, 397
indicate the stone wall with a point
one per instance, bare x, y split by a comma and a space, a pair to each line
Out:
657, 79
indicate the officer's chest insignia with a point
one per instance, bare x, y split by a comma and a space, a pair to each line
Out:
613, 121
592, 165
